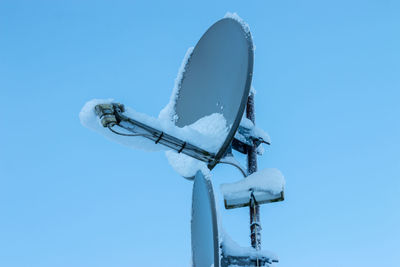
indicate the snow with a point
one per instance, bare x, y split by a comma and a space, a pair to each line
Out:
268, 180
168, 112
252, 91
260, 150
231, 248
211, 126
207, 133
244, 25
214, 127
260, 133
246, 123
252, 130
186, 166
90, 120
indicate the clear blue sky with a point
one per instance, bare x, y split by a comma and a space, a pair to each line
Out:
327, 75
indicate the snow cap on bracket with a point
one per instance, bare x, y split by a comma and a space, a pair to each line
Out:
266, 186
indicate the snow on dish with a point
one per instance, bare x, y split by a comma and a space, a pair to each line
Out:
236, 17
168, 112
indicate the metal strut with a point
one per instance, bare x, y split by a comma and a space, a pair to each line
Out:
255, 225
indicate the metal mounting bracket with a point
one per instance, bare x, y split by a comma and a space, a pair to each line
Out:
245, 138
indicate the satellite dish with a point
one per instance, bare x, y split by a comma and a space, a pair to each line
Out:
205, 243
217, 78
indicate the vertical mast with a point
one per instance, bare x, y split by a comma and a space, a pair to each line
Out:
255, 227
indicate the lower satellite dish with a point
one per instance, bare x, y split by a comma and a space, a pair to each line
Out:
205, 243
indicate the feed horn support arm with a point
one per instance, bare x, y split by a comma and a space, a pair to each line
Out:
112, 115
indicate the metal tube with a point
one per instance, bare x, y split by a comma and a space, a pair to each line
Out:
255, 226
163, 138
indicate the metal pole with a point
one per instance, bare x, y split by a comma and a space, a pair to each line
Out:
255, 226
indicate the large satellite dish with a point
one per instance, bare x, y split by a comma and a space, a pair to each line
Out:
205, 244
217, 77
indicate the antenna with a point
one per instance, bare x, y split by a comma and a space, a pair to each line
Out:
216, 80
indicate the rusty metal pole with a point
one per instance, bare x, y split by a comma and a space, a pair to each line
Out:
255, 226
